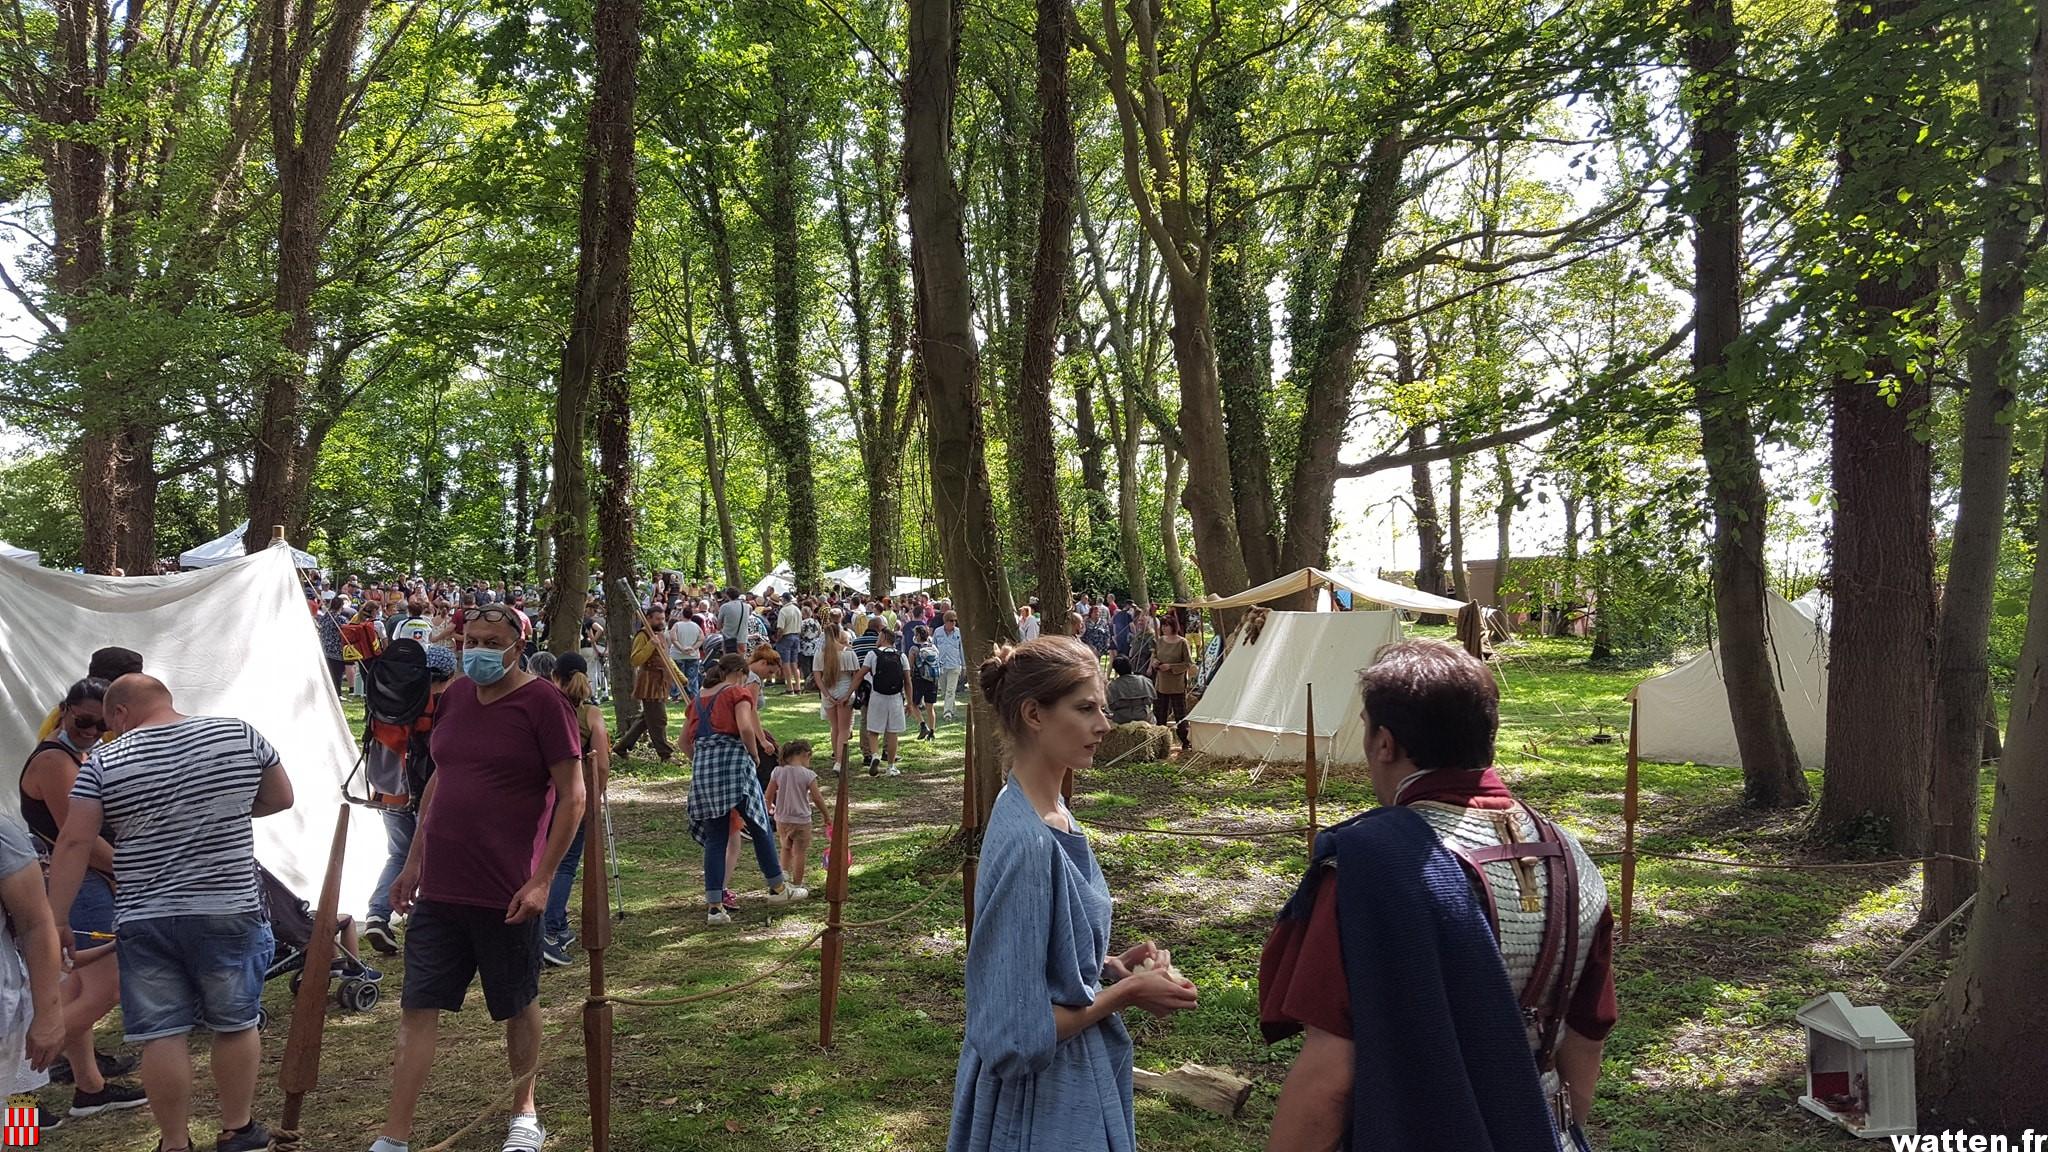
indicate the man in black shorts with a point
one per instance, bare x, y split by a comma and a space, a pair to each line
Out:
476, 879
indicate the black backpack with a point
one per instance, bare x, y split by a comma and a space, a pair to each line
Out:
397, 693
889, 672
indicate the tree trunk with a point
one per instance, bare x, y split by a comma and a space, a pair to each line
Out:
1979, 1050
1881, 639
1460, 589
612, 417
702, 563
304, 141
1124, 425
711, 423
138, 491
1169, 527
1603, 636
1503, 527
790, 436
1962, 688
598, 334
1032, 442
947, 364
522, 501
1332, 369
1429, 530
1771, 776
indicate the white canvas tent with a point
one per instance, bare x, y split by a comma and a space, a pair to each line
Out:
233, 640
856, 577
1256, 705
10, 552
782, 581
1371, 589
1682, 716
229, 547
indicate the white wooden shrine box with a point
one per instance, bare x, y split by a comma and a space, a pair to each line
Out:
1859, 1068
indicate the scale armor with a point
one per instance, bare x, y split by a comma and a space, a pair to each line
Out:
1521, 921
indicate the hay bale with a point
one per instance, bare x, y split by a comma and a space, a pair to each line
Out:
1150, 741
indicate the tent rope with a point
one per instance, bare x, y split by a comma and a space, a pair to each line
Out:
1842, 865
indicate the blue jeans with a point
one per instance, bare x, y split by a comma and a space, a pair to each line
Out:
180, 972
693, 674
398, 829
556, 921
716, 834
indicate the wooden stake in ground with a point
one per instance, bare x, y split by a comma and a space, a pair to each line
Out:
1628, 825
1310, 776
970, 829
300, 1071
597, 936
835, 895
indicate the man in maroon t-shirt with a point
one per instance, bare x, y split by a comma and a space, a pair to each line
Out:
1431, 712
505, 800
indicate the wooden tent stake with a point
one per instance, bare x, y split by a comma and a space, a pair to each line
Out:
1310, 773
597, 936
835, 895
300, 1071
970, 828
1628, 822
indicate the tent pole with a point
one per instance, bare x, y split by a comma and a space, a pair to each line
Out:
597, 936
1311, 775
835, 895
970, 827
1628, 820
300, 1071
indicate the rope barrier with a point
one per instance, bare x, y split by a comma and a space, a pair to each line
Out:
793, 955
1827, 867
1216, 833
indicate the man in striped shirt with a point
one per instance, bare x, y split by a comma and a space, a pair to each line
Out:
176, 793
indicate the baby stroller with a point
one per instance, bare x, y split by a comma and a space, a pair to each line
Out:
291, 923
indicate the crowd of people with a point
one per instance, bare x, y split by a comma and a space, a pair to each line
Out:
1489, 1026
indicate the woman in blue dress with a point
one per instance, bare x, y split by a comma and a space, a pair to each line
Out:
1047, 1063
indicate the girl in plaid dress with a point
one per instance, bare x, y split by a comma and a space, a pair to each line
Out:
722, 737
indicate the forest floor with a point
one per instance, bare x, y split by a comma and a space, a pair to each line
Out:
1706, 1058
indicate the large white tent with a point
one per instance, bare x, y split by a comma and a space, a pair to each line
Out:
10, 552
1256, 704
782, 581
233, 640
229, 547
1371, 589
1682, 716
856, 578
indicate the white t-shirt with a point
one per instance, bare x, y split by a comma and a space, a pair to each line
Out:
848, 664
868, 662
685, 640
1027, 627
790, 620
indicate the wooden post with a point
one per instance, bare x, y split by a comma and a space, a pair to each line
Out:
300, 1071
835, 895
1311, 777
276, 533
597, 936
660, 649
970, 828
1628, 823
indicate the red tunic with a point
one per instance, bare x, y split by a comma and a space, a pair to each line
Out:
1301, 971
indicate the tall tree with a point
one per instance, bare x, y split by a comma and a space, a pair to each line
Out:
1962, 682
319, 50
1037, 463
1881, 569
604, 257
947, 364
1771, 775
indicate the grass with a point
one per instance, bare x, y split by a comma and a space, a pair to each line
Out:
1706, 1058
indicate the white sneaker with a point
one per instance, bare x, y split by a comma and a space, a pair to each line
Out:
525, 1135
895, 771
789, 894
718, 916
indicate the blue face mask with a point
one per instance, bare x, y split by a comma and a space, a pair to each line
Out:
64, 738
486, 666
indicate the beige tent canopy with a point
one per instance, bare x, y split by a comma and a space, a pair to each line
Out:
1368, 588
1256, 705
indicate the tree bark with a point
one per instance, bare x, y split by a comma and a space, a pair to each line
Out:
1881, 639
1503, 526
791, 434
304, 139
1037, 462
601, 318
522, 499
1979, 1043
711, 424
1124, 425
1771, 775
1962, 686
1460, 588
1169, 527
947, 363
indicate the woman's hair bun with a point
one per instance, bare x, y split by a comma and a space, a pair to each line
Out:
994, 670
